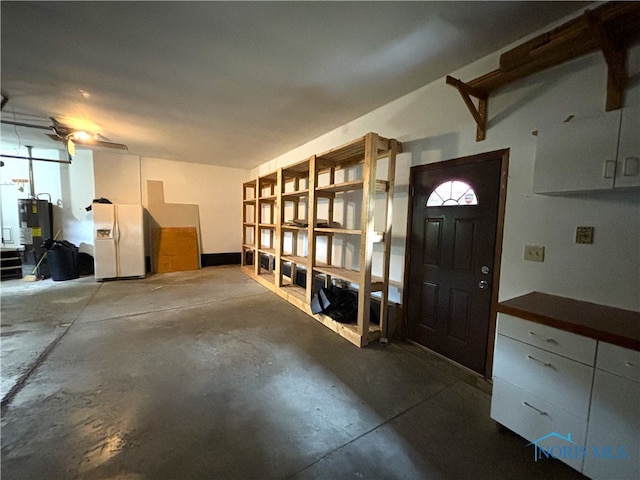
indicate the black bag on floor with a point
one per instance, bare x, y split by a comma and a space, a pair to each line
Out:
341, 304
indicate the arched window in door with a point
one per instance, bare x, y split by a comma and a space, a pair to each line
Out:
452, 193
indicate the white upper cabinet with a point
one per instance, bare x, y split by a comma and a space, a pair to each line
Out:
600, 152
628, 161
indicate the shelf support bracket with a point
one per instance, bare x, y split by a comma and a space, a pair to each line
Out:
478, 113
616, 62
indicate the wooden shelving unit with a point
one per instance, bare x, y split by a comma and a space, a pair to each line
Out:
291, 249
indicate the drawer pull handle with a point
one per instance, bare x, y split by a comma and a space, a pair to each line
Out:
534, 408
550, 340
546, 364
629, 364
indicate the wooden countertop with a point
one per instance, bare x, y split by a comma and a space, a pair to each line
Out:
608, 324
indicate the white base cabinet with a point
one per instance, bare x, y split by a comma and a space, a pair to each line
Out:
614, 422
542, 381
575, 398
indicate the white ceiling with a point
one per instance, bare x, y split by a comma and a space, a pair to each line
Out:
235, 83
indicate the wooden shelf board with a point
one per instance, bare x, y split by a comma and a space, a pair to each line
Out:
269, 178
352, 151
300, 169
341, 187
321, 194
295, 291
300, 261
249, 201
293, 227
349, 331
373, 328
343, 273
347, 150
297, 194
248, 224
344, 231
270, 198
295, 259
351, 185
377, 236
267, 250
268, 276
248, 246
351, 276
267, 225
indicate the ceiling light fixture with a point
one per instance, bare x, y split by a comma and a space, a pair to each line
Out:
81, 136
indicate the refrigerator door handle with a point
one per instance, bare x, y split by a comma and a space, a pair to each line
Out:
116, 240
116, 232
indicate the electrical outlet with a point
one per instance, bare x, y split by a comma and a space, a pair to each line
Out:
584, 235
533, 253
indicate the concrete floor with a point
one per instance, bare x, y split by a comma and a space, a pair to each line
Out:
207, 375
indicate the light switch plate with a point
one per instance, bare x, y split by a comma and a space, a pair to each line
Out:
534, 253
584, 235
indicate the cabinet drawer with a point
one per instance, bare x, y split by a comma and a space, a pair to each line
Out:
533, 418
562, 382
618, 360
576, 347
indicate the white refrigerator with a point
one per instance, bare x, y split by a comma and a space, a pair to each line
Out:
118, 233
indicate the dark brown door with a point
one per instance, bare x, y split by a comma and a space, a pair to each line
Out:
452, 248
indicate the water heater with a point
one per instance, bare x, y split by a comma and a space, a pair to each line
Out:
36, 226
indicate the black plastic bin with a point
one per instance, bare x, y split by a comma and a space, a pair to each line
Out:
63, 263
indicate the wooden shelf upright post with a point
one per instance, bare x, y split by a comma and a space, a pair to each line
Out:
366, 238
311, 218
391, 177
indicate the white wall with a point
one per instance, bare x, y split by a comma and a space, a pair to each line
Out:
77, 189
217, 191
434, 125
117, 177
122, 178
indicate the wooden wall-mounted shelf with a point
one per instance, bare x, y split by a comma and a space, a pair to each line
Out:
611, 28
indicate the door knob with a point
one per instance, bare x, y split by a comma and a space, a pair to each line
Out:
483, 285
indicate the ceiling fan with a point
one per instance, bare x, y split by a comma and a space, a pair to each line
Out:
70, 136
